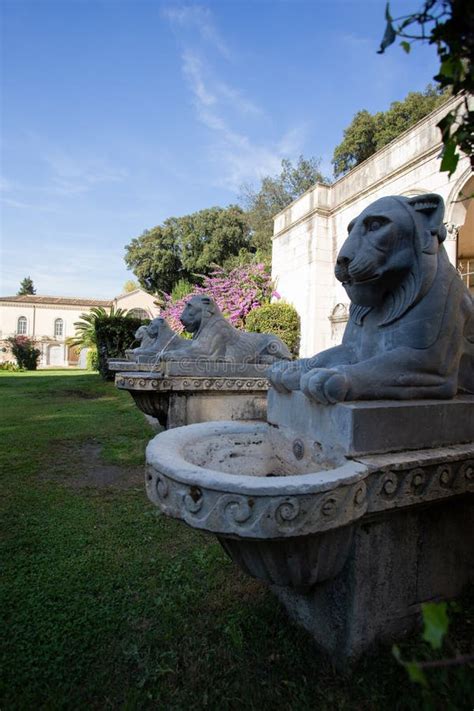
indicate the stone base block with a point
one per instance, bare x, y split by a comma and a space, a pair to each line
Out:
378, 426
398, 561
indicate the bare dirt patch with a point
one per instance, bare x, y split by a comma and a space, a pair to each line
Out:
84, 469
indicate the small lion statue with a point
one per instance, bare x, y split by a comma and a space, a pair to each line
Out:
156, 337
215, 338
410, 332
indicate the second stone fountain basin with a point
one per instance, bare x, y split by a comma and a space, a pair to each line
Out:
279, 511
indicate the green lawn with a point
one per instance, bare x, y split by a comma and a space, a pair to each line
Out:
105, 604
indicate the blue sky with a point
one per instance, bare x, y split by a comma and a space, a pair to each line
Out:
120, 113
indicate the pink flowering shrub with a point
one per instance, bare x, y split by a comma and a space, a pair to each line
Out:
23, 348
236, 293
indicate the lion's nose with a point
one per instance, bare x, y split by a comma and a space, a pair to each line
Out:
343, 261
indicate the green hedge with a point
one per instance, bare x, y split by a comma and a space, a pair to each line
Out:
92, 359
278, 318
114, 334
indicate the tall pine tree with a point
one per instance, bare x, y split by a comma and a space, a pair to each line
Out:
26, 287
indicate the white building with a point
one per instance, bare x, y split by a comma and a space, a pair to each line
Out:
309, 233
49, 321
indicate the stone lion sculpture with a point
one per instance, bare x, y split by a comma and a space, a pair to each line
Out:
410, 332
215, 338
154, 338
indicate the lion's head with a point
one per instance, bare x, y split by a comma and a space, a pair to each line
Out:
158, 327
390, 256
197, 312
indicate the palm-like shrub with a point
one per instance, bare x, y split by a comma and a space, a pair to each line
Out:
85, 336
109, 333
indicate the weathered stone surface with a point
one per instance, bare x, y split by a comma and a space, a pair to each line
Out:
254, 483
356, 428
410, 333
234, 479
351, 547
396, 563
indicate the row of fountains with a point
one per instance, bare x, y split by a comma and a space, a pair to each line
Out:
344, 481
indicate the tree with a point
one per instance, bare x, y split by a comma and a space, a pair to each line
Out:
367, 132
26, 287
449, 25
359, 143
155, 260
274, 194
182, 248
210, 236
130, 285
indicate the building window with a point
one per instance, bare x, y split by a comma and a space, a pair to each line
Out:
138, 313
21, 326
58, 328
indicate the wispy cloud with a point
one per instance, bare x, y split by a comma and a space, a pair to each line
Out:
197, 17
241, 159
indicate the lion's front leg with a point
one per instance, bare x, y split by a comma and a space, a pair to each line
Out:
401, 374
286, 376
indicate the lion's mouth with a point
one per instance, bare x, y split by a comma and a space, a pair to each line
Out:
349, 281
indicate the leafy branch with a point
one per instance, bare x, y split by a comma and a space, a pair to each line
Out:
449, 25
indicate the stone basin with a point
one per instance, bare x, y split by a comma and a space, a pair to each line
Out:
284, 515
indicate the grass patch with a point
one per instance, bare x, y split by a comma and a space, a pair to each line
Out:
107, 605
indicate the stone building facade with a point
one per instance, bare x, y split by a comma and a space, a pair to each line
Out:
309, 233
49, 321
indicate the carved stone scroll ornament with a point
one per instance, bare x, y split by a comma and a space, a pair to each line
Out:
411, 328
215, 338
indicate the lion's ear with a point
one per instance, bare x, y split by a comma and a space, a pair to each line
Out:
431, 207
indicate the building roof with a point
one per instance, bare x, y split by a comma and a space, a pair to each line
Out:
55, 300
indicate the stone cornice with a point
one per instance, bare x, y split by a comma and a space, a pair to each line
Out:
22, 305
331, 212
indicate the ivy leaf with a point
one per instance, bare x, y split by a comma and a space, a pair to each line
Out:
406, 46
415, 673
388, 38
435, 616
413, 669
450, 158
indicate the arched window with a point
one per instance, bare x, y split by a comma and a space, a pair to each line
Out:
21, 326
138, 313
58, 328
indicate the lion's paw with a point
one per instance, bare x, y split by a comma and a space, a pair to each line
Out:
278, 375
325, 386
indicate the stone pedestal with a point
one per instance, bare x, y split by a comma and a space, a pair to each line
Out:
373, 426
178, 400
398, 561
351, 535
415, 542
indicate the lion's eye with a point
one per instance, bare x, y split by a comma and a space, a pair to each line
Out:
375, 225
